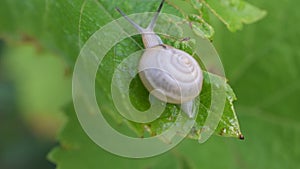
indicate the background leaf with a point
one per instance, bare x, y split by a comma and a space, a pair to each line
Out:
234, 13
262, 63
74, 153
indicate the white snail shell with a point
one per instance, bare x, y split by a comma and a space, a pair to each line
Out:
174, 73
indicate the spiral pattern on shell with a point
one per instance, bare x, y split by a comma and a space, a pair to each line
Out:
172, 72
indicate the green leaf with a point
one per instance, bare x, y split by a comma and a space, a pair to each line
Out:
233, 13
72, 33
263, 65
63, 27
196, 14
228, 125
77, 151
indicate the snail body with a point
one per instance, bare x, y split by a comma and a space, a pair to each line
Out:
173, 75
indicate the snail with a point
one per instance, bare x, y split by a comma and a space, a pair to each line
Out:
174, 75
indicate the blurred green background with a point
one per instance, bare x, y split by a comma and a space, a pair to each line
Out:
262, 63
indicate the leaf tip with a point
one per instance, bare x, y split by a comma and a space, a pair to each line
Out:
241, 137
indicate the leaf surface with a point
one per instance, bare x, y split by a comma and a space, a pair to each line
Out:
63, 27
